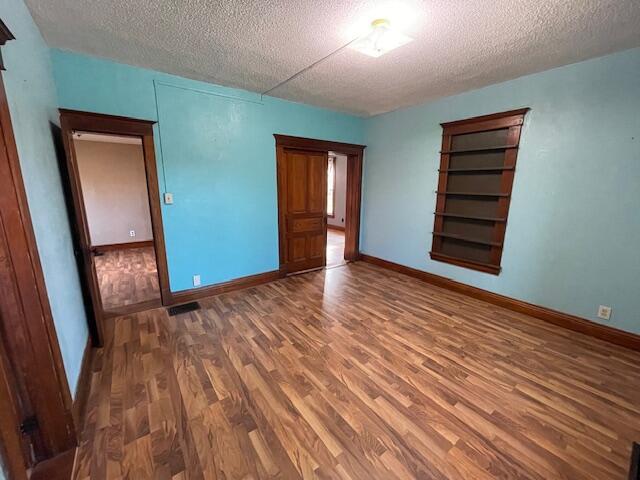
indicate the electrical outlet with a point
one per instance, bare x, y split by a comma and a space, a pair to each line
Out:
132, 233
196, 280
604, 312
168, 198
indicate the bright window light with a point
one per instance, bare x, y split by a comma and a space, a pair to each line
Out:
380, 40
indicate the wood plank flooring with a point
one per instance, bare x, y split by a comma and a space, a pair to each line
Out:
127, 277
335, 247
356, 372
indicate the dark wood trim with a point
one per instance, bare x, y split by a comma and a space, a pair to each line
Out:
44, 368
59, 467
355, 160
122, 246
12, 456
303, 143
483, 267
72, 120
478, 150
83, 387
565, 320
335, 167
493, 121
353, 206
50, 397
472, 194
111, 124
185, 296
339, 228
466, 239
5, 36
155, 208
476, 169
471, 217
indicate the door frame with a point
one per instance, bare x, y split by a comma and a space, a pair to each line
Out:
355, 158
72, 120
41, 365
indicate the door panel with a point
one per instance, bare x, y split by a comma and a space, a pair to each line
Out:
297, 249
306, 224
297, 192
304, 190
15, 344
317, 246
317, 184
82, 230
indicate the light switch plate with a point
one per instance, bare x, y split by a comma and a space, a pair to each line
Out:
196, 280
132, 233
168, 198
604, 312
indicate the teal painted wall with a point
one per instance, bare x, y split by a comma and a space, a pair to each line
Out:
33, 105
573, 236
216, 148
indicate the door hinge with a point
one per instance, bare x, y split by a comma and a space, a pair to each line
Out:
29, 425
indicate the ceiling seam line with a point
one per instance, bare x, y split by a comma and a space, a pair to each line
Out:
306, 69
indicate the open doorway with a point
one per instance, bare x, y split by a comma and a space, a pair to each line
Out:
116, 201
303, 168
336, 207
113, 182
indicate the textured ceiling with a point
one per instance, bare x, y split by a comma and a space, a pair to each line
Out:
255, 44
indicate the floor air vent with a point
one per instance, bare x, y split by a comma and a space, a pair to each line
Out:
187, 307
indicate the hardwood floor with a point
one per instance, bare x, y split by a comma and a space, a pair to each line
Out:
127, 277
335, 247
356, 372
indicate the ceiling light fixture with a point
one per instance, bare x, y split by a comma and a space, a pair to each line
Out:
380, 39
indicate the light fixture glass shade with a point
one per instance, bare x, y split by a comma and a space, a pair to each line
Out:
380, 40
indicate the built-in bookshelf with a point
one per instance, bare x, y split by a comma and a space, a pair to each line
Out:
477, 167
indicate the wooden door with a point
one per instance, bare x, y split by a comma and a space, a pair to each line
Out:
96, 324
303, 190
37, 397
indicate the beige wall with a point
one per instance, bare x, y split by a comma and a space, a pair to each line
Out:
341, 191
114, 188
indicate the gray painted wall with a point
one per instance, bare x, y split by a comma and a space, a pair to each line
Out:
341, 191
114, 188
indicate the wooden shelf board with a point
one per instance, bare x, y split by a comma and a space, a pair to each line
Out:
478, 150
476, 169
462, 238
470, 217
474, 194
463, 262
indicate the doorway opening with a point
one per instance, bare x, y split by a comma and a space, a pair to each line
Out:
306, 171
336, 207
113, 182
116, 201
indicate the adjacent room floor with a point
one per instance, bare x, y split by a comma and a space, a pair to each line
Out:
335, 247
127, 277
356, 372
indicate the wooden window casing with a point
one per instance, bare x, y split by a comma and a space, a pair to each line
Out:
331, 184
477, 167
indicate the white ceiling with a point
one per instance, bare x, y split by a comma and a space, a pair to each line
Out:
255, 44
